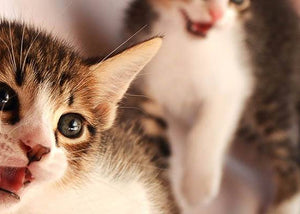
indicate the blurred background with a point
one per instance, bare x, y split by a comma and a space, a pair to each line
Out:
94, 26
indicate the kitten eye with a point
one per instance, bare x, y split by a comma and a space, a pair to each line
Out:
238, 2
71, 125
241, 4
8, 98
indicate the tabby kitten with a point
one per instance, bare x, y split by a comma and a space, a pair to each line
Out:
219, 55
57, 153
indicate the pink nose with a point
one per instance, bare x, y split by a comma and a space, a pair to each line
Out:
36, 143
216, 14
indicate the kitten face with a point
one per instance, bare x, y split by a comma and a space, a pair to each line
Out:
201, 16
53, 109
40, 86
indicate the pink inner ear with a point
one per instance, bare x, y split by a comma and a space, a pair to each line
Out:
103, 110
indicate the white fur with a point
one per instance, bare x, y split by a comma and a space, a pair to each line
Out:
98, 195
202, 85
291, 206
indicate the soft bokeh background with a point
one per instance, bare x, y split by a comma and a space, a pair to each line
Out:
94, 27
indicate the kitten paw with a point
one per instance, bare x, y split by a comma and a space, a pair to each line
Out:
200, 189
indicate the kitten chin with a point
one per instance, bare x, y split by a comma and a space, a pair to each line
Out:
56, 137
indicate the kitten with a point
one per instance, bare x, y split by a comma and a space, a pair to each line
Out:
58, 153
217, 57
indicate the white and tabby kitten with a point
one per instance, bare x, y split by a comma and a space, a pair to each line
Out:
204, 61
216, 55
57, 153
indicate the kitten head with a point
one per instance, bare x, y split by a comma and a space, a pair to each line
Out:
53, 107
200, 16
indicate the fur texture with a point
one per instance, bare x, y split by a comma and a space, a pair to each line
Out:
245, 67
43, 168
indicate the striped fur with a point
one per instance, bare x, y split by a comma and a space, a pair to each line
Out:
115, 168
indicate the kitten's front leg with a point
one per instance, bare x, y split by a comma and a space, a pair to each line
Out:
206, 146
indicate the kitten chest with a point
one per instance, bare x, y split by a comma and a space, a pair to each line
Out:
189, 70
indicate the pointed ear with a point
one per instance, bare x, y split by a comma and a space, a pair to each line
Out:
115, 74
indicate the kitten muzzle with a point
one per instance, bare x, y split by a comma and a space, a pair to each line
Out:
196, 28
13, 179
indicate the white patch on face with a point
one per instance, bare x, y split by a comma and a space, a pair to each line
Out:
34, 129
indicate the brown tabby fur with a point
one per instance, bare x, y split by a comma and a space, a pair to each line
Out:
31, 62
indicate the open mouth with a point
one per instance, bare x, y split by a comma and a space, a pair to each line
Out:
13, 179
196, 28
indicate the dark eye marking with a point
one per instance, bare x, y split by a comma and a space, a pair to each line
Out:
20, 76
71, 125
92, 130
71, 100
8, 98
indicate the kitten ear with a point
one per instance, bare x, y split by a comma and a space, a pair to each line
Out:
115, 74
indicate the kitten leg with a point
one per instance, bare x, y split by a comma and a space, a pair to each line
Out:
291, 206
285, 177
206, 145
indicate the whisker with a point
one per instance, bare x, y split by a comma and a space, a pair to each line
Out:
9, 51
133, 108
1, 114
18, 126
79, 84
110, 158
137, 95
25, 58
21, 49
112, 52
123, 43
12, 48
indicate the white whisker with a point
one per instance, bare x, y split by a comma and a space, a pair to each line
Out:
25, 58
123, 43
18, 126
137, 95
21, 48
9, 51
12, 47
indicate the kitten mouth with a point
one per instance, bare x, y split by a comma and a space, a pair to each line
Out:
196, 28
13, 179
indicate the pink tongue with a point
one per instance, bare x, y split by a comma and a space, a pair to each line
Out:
12, 179
201, 28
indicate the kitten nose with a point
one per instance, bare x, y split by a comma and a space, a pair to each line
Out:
35, 143
216, 14
37, 152
34, 152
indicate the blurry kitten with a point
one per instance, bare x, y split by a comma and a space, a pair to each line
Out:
217, 54
57, 153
